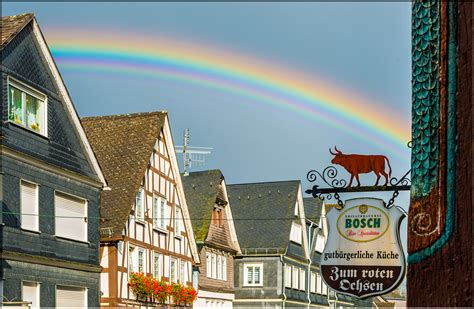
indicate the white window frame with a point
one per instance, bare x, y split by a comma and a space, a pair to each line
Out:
208, 265
173, 272
177, 222
325, 287
312, 287
140, 213
157, 272
302, 279
26, 89
295, 277
219, 267
131, 259
320, 243
37, 293
224, 268
143, 252
155, 210
85, 237
288, 273
73, 287
246, 274
163, 209
213, 265
296, 233
181, 264
319, 289
35, 214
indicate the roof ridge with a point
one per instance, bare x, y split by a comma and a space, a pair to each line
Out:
18, 15
131, 115
264, 182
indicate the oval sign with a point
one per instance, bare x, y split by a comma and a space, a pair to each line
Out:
363, 223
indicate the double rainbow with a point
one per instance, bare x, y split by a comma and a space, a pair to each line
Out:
260, 81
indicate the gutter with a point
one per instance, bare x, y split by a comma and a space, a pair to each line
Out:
283, 281
308, 287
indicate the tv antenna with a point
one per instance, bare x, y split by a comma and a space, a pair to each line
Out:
192, 155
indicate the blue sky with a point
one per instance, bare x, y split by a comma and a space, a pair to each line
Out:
364, 47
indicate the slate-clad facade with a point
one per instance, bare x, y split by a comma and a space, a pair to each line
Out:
50, 181
275, 264
211, 216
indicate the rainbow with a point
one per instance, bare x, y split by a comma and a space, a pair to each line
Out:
261, 81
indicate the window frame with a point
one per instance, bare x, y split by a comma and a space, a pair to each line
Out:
288, 276
85, 289
254, 266
36, 205
86, 215
295, 275
140, 216
144, 262
38, 292
296, 232
26, 89
302, 284
157, 273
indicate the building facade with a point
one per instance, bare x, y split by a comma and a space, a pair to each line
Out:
275, 268
146, 226
213, 225
50, 180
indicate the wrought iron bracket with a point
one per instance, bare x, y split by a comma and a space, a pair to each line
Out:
336, 185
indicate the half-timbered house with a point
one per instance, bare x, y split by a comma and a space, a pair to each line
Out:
146, 226
211, 217
50, 180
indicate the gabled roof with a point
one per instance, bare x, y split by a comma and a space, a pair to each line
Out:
263, 213
10, 26
313, 208
201, 190
123, 145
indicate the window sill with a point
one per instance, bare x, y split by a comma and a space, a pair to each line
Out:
26, 129
30, 231
140, 220
72, 240
252, 285
160, 230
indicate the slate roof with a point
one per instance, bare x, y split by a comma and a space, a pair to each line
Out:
313, 208
201, 190
10, 26
123, 145
263, 213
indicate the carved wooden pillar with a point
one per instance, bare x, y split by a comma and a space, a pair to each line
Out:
440, 235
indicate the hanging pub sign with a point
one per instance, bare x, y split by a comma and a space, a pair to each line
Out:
363, 256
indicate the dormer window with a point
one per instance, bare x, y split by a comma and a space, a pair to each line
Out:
26, 107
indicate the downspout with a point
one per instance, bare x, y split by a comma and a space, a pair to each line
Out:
308, 289
283, 287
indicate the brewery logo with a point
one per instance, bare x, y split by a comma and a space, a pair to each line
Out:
363, 256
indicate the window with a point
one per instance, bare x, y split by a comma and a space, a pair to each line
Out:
325, 288
131, 259
208, 265
313, 283
288, 276
31, 293
177, 221
182, 266
67, 296
219, 267
141, 260
253, 274
213, 265
26, 107
162, 213
296, 273
217, 216
220, 214
156, 210
139, 201
173, 270
224, 268
296, 234
70, 217
320, 243
302, 279
318, 283
157, 266
29, 206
